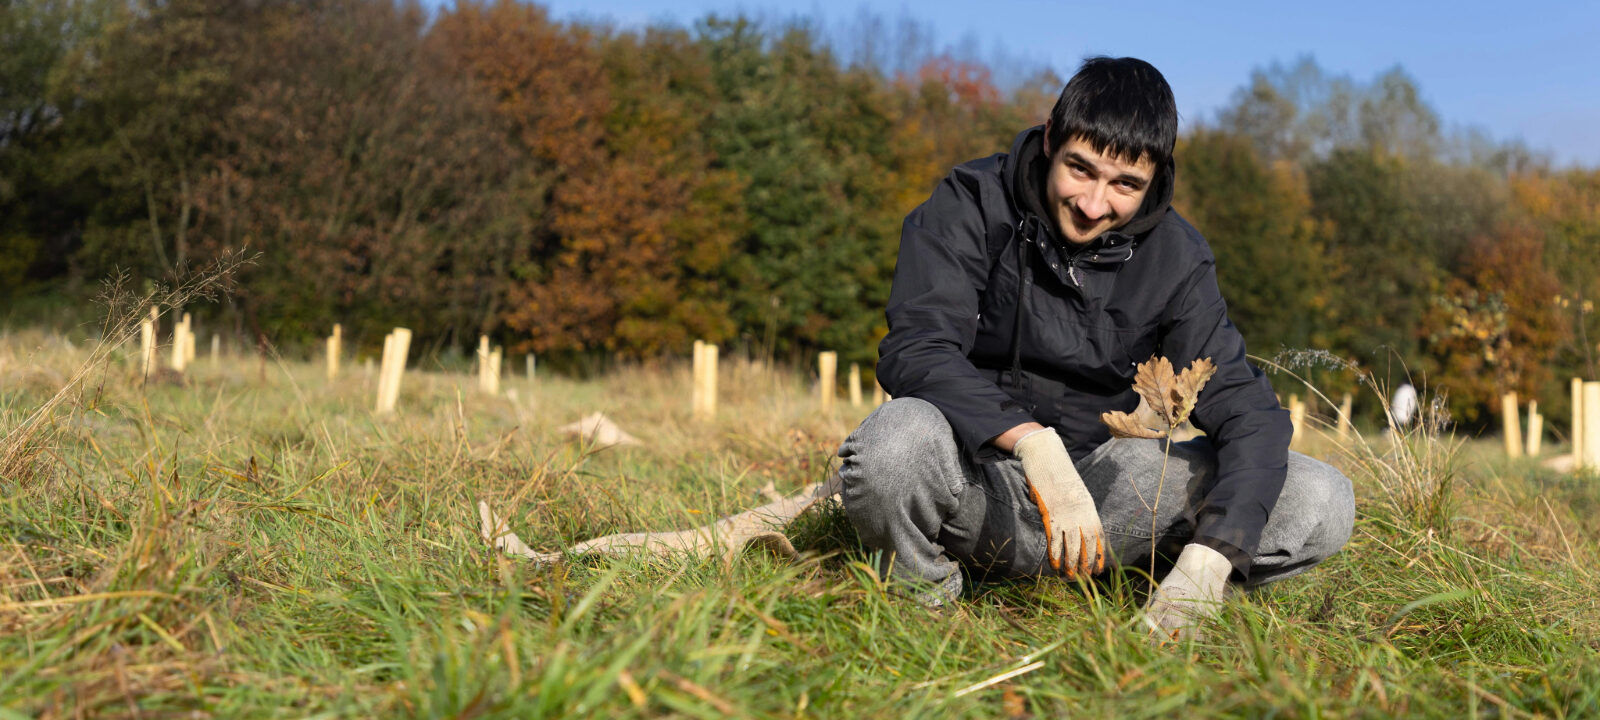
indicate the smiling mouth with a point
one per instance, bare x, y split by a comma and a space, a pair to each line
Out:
1081, 221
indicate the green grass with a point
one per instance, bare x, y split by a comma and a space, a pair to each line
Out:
259, 544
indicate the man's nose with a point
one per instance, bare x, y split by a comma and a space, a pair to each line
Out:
1093, 203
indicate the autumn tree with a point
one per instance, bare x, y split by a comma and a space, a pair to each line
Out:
372, 181
1496, 324
1565, 208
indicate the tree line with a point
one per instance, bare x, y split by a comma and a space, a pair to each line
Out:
581, 191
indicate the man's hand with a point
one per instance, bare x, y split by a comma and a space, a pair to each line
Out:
1188, 595
1076, 548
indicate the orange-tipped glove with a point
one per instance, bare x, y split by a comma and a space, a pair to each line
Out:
1076, 548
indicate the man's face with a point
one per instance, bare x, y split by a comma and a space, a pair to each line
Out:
1089, 193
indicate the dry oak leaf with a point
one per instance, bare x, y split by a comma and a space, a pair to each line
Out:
1154, 381
1171, 397
1124, 425
1188, 386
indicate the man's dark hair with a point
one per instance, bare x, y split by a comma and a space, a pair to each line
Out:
1121, 105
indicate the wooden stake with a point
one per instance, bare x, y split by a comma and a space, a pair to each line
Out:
188, 340
1510, 425
697, 378
877, 394
383, 368
396, 349
1591, 425
1578, 431
483, 363
147, 347
855, 385
828, 367
334, 342
1345, 406
1535, 428
712, 354
704, 398
216, 349
180, 354
528, 361
492, 379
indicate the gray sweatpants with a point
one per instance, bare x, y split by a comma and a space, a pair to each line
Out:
913, 495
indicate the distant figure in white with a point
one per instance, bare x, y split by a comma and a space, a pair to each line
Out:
1404, 405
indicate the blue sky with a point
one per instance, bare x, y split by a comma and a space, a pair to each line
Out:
1516, 69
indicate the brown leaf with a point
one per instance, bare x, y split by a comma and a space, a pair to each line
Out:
1014, 704
1154, 382
1124, 425
1187, 388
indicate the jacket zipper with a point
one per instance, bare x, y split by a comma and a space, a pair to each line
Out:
1072, 259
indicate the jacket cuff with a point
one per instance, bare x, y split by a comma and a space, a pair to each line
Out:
976, 436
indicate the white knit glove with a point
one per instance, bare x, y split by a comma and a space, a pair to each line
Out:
1190, 593
1076, 548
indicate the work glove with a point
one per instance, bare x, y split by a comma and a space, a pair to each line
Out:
1188, 595
1076, 547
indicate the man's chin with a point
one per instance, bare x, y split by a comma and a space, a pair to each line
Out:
1083, 236
1076, 238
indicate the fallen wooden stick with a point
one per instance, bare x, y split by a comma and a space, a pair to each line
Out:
760, 527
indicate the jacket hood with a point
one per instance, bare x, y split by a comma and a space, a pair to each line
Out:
1029, 166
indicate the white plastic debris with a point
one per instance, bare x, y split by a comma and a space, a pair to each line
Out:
596, 429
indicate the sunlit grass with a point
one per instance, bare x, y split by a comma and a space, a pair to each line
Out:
254, 542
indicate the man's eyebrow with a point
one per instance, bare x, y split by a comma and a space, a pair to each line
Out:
1081, 160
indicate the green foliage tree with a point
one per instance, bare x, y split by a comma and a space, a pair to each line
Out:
144, 94
36, 210
802, 135
1270, 257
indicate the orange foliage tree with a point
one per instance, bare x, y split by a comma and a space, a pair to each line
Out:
1565, 208
633, 225
1494, 327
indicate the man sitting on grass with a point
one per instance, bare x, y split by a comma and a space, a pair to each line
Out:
1028, 288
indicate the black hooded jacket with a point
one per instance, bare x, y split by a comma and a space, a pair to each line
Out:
981, 247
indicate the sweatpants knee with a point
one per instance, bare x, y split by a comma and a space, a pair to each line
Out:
901, 433
1312, 521
905, 449
1336, 498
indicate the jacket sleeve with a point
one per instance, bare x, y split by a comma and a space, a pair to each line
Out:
939, 278
1239, 412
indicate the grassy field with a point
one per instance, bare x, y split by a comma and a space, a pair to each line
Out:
253, 542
